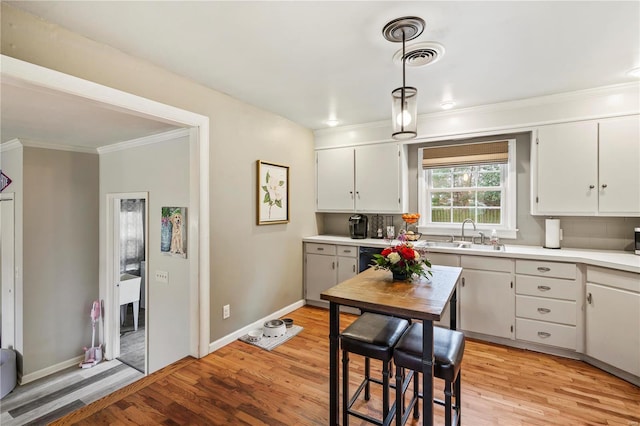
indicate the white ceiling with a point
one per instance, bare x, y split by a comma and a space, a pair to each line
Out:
314, 60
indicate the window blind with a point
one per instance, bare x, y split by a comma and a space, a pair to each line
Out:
495, 152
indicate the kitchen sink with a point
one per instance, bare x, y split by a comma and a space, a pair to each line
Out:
462, 245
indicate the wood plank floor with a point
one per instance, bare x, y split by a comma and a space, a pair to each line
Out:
241, 384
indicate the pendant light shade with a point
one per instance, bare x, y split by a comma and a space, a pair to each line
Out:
404, 100
404, 111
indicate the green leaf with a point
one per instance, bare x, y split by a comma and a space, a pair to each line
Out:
268, 177
264, 188
267, 199
278, 203
281, 183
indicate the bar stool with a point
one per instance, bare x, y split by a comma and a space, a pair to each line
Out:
448, 348
372, 336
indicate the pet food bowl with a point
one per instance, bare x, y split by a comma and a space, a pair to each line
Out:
288, 322
255, 335
274, 328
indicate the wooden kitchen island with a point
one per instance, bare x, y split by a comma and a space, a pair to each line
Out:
375, 290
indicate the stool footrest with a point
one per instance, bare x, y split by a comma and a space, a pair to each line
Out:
356, 394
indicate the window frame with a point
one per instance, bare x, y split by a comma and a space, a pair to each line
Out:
507, 229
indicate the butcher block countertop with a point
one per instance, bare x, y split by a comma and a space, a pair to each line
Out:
620, 260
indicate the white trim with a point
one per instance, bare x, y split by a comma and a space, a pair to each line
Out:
25, 74
10, 145
58, 147
214, 346
23, 380
145, 140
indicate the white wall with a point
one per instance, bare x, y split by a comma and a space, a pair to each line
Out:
162, 170
262, 261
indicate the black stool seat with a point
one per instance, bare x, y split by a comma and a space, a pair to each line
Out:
372, 336
448, 349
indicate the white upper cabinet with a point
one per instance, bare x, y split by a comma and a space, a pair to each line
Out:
334, 179
587, 168
369, 178
619, 151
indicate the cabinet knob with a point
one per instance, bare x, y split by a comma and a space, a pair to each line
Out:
591, 186
544, 310
333, 265
604, 185
354, 268
462, 282
544, 334
544, 288
589, 298
543, 269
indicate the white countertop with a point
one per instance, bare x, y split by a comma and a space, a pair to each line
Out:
621, 260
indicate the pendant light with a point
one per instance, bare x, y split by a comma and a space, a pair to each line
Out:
404, 100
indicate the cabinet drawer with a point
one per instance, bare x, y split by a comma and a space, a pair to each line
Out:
547, 333
546, 287
443, 259
486, 263
329, 249
539, 308
546, 269
348, 251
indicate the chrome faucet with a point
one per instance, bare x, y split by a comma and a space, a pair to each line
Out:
464, 222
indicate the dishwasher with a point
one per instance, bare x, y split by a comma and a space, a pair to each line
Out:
366, 256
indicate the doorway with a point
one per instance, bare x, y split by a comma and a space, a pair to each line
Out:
7, 271
129, 218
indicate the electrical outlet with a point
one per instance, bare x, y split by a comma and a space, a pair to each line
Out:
162, 277
226, 311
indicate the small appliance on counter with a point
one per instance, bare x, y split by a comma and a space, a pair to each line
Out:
637, 243
553, 233
377, 226
358, 226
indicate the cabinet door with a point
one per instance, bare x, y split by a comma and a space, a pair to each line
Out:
567, 169
619, 156
378, 178
487, 303
334, 179
613, 327
347, 268
320, 274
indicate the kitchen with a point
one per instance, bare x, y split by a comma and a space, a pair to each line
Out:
280, 283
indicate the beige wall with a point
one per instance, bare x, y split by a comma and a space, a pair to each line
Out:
255, 269
60, 215
162, 170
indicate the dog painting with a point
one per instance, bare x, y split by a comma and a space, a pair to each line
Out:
173, 231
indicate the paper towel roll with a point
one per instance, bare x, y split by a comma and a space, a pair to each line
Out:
552, 233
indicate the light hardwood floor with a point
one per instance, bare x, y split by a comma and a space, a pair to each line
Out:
242, 384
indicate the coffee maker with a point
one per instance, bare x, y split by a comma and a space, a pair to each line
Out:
358, 226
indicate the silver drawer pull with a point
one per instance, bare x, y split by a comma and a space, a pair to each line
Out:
320, 248
346, 251
543, 269
544, 288
544, 310
544, 334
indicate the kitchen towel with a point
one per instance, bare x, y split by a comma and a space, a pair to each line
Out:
552, 234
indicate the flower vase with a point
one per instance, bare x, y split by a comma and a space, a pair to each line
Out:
165, 236
400, 275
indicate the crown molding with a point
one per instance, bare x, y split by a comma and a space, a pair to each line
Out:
57, 146
10, 145
146, 140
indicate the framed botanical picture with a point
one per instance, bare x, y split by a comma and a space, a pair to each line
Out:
273, 193
173, 231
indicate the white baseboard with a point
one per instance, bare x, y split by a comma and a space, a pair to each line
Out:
214, 346
50, 370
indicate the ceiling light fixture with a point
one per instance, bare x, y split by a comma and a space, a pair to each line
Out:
332, 122
447, 104
404, 100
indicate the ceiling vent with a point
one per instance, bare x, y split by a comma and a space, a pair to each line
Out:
420, 54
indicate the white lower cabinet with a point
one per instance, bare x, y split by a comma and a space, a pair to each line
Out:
546, 308
445, 259
325, 266
486, 296
613, 318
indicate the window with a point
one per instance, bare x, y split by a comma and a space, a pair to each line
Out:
475, 181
